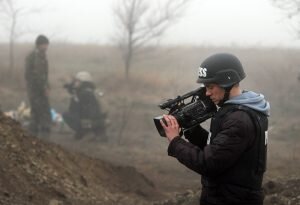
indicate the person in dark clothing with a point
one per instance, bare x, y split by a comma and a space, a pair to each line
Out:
231, 157
36, 76
84, 112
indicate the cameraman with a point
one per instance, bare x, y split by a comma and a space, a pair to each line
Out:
84, 112
231, 158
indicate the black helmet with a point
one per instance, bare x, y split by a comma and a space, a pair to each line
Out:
223, 69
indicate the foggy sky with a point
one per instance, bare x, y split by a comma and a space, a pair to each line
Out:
206, 22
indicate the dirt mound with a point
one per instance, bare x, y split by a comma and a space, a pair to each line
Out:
281, 192
33, 171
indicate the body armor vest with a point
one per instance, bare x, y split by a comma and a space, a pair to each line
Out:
248, 171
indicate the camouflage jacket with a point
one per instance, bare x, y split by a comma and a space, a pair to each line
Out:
36, 71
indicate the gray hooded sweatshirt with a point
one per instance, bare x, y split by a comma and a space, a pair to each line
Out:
252, 100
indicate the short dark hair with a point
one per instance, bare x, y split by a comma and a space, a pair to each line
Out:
41, 39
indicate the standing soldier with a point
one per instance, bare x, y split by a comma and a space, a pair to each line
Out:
36, 75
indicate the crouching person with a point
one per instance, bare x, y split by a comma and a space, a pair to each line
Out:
84, 114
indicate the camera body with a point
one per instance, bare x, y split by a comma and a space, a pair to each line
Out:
188, 115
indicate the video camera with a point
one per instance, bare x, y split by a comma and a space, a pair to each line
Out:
199, 109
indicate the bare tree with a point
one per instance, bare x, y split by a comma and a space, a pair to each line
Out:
10, 13
292, 10
140, 24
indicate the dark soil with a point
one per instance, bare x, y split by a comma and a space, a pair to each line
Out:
35, 172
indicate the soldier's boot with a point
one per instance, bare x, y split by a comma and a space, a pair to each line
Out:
33, 129
78, 135
45, 132
100, 135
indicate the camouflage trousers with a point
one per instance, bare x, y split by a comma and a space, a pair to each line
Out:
40, 119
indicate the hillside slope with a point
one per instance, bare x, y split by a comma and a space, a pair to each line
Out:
37, 172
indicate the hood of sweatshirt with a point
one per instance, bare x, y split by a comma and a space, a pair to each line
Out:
252, 100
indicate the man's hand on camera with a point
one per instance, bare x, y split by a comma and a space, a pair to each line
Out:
171, 127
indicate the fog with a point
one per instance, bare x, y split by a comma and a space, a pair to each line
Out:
81, 34
213, 22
